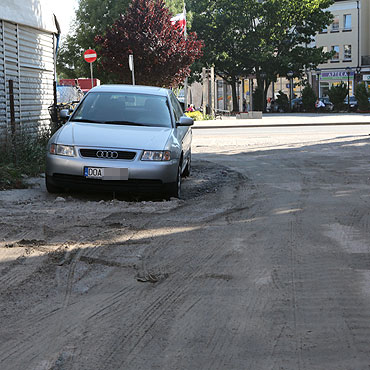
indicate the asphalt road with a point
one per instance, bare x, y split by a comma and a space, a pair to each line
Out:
265, 263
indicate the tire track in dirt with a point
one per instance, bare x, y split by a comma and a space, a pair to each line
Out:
162, 306
58, 318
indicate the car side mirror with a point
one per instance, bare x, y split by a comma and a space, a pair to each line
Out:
64, 113
185, 121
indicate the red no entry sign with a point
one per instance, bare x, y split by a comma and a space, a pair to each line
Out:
90, 55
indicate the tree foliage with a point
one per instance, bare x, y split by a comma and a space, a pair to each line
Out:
162, 54
362, 97
337, 94
92, 18
258, 99
308, 98
282, 101
251, 36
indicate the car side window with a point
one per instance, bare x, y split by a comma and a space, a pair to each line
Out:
177, 110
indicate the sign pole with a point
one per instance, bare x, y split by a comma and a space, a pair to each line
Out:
132, 67
92, 79
90, 57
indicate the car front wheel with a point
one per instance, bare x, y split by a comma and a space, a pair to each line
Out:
187, 170
51, 188
175, 187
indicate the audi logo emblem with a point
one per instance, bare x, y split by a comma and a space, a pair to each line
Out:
107, 154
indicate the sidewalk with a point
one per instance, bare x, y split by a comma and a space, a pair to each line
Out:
288, 119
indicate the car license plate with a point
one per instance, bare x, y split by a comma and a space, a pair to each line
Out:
106, 173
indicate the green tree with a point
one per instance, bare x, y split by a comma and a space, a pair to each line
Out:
162, 54
175, 6
308, 98
282, 101
250, 36
93, 17
362, 97
220, 23
337, 94
258, 99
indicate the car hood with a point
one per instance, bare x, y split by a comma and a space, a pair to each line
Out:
114, 136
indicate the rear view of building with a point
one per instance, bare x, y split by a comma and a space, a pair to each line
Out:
27, 66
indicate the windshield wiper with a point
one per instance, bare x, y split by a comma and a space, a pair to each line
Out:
128, 123
85, 120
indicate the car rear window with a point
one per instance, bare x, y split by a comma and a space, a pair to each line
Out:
124, 108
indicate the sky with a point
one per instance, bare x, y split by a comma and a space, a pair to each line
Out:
64, 11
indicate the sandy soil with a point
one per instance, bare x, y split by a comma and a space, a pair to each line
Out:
264, 264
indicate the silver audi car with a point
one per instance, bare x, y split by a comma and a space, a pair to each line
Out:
122, 138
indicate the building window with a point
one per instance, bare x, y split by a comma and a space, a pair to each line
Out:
347, 22
324, 87
347, 52
335, 24
335, 57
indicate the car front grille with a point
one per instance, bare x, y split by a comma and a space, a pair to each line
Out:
92, 153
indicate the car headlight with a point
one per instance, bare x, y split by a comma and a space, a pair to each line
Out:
66, 150
156, 155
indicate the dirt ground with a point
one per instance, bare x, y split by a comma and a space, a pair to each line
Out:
264, 264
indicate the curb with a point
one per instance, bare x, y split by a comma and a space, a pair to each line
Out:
282, 125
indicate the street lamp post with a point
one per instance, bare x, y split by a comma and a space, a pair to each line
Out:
290, 76
348, 70
358, 73
263, 76
318, 71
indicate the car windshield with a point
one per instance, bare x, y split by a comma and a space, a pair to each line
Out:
119, 108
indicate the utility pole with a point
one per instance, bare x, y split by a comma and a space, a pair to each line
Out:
186, 79
205, 90
213, 91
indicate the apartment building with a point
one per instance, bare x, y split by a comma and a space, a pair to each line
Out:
349, 38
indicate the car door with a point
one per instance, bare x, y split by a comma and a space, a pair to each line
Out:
183, 134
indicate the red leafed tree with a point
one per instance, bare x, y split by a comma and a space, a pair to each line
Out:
162, 55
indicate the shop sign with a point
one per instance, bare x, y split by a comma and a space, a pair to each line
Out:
366, 78
336, 75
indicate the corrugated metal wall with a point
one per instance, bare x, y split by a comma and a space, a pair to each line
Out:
2, 85
27, 58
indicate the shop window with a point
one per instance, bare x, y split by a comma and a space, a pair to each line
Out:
335, 57
335, 24
347, 22
324, 88
347, 52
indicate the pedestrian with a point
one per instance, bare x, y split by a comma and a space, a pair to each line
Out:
319, 105
273, 105
190, 108
244, 105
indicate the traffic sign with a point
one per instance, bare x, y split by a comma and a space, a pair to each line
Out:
90, 56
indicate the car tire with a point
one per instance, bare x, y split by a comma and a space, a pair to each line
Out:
187, 171
175, 187
51, 188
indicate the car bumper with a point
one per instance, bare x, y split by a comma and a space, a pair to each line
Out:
143, 176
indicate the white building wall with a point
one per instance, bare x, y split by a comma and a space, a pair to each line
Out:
27, 57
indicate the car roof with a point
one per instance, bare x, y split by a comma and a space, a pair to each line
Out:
132, 89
